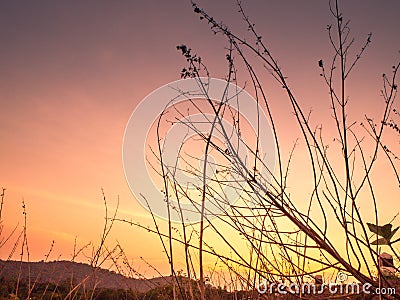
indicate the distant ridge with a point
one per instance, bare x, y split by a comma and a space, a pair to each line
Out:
61, 272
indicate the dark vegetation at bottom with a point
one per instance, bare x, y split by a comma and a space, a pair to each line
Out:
47, 291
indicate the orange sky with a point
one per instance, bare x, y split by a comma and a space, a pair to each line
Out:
71, 73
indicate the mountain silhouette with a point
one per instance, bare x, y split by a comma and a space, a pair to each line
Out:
73, 273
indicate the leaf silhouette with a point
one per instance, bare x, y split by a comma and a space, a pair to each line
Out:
373, 228
381, 241
384, 231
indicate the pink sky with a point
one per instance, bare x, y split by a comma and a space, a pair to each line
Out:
71, 73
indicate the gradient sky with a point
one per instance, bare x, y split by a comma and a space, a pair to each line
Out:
72, 72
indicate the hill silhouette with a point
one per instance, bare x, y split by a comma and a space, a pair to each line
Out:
74, 273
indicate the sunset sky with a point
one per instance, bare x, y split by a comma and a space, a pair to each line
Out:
72, 72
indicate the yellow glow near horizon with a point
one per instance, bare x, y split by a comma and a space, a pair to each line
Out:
70, 81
